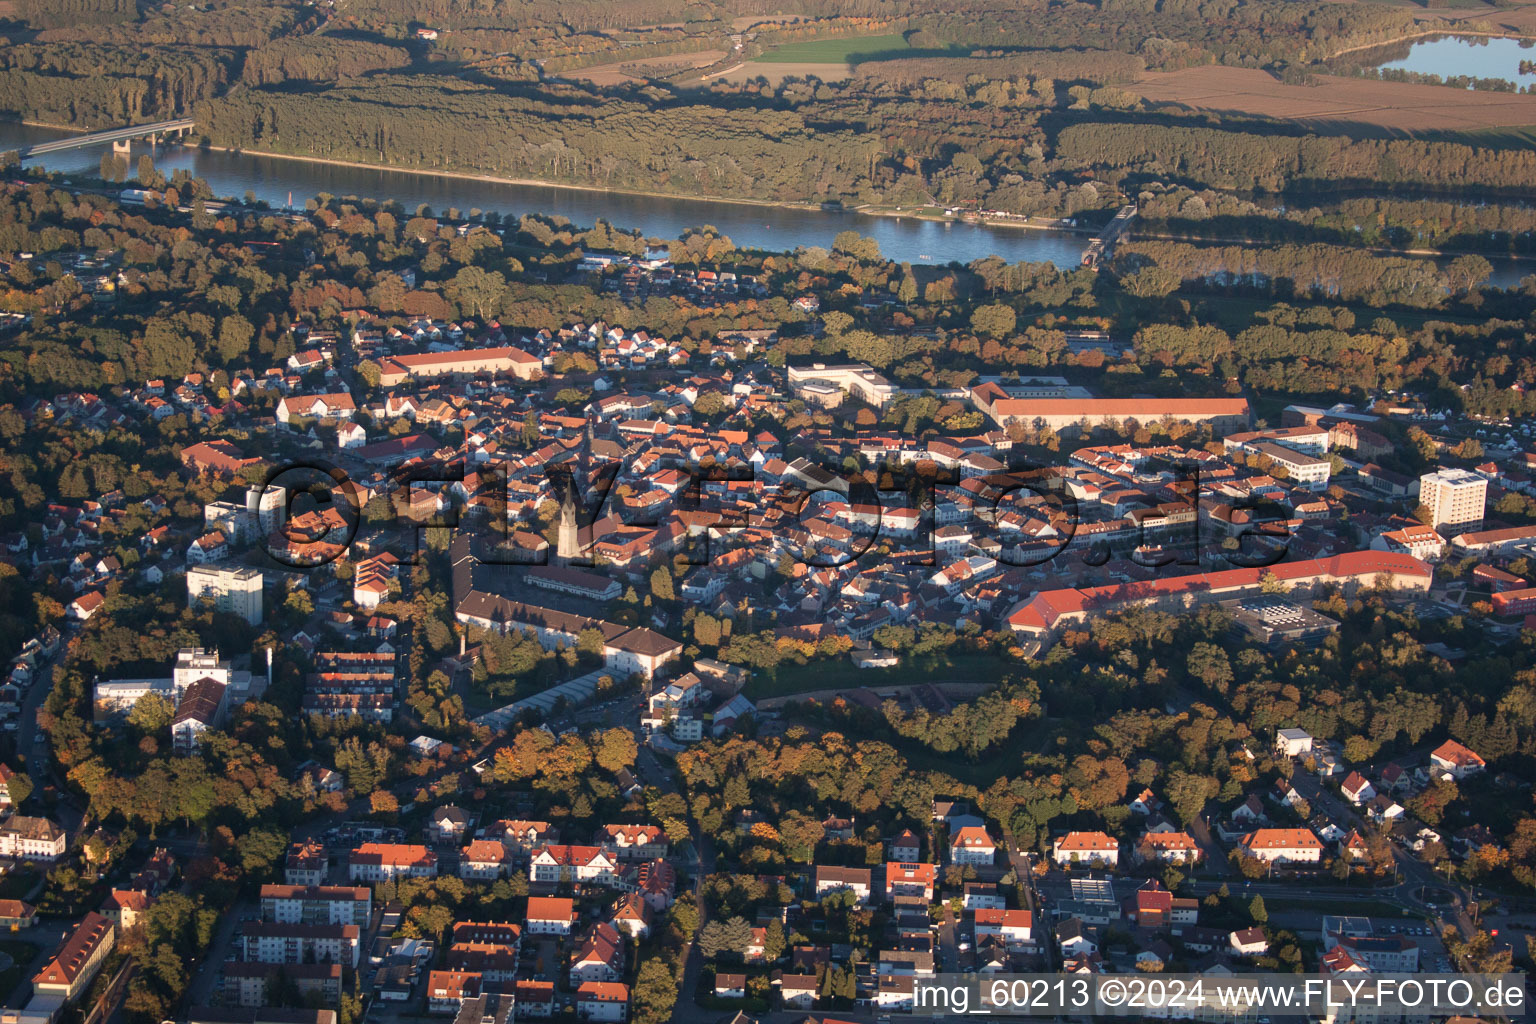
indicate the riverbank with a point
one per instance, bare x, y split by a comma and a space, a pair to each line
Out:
865, 209
515, 182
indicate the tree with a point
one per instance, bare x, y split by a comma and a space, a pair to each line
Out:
661, 584
1208, 663
479, 291
1257, 912
655, 991
235, 334
19, 787
994, 321
151, 714
615, 749
712, 940
773, 941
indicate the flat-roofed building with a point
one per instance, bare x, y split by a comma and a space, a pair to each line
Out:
1454, 499
233, 589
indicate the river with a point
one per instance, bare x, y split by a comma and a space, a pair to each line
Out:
272, 179
906, 239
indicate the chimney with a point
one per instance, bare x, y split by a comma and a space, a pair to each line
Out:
269, 666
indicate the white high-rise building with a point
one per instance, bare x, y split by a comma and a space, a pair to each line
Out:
1454, 497
234, 589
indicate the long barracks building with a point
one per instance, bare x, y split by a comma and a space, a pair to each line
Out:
1045, 615
1225, 415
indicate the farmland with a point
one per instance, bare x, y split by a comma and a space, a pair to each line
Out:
833, 51
1394, 106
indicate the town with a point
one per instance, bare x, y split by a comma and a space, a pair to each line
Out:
395, 660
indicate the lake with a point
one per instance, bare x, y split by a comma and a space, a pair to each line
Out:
1474, 56
907, 239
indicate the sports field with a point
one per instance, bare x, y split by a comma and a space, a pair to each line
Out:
832, 51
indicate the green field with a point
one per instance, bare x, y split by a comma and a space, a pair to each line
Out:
832, 51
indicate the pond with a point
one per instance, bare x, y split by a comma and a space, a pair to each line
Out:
1473, 56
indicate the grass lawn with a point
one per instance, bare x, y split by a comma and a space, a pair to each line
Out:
840, 674
832, 51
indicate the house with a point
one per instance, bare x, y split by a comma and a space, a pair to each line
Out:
633, 842
380, 862
602, 1001
906, 847
1248, 942
1383, 810
1073, 939
446, 990
632, 915
834, 827
972, 845
1017, 927
1393, 778
1293, 743
1456, 760
1168, 848
834, 879
895, 991
86, 605
450, 822
909, 879
16, 915
305, 864
982, 896
548, 915
210, 547
1146, 804
730, 986
797, 991
534, 998
1283, 845
600, 956
1086, 848
483, 860
1357, 789
27, 838
1249, 812
554, 864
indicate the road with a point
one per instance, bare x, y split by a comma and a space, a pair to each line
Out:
1413, 873
204, 983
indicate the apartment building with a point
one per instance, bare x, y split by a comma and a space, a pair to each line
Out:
234, 589
316, 904
1454, 499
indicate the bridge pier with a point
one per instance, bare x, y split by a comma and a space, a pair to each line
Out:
123, 148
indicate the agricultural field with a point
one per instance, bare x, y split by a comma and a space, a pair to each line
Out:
1395, 106
832, 51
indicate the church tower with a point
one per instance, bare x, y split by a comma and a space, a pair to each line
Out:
568, 538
